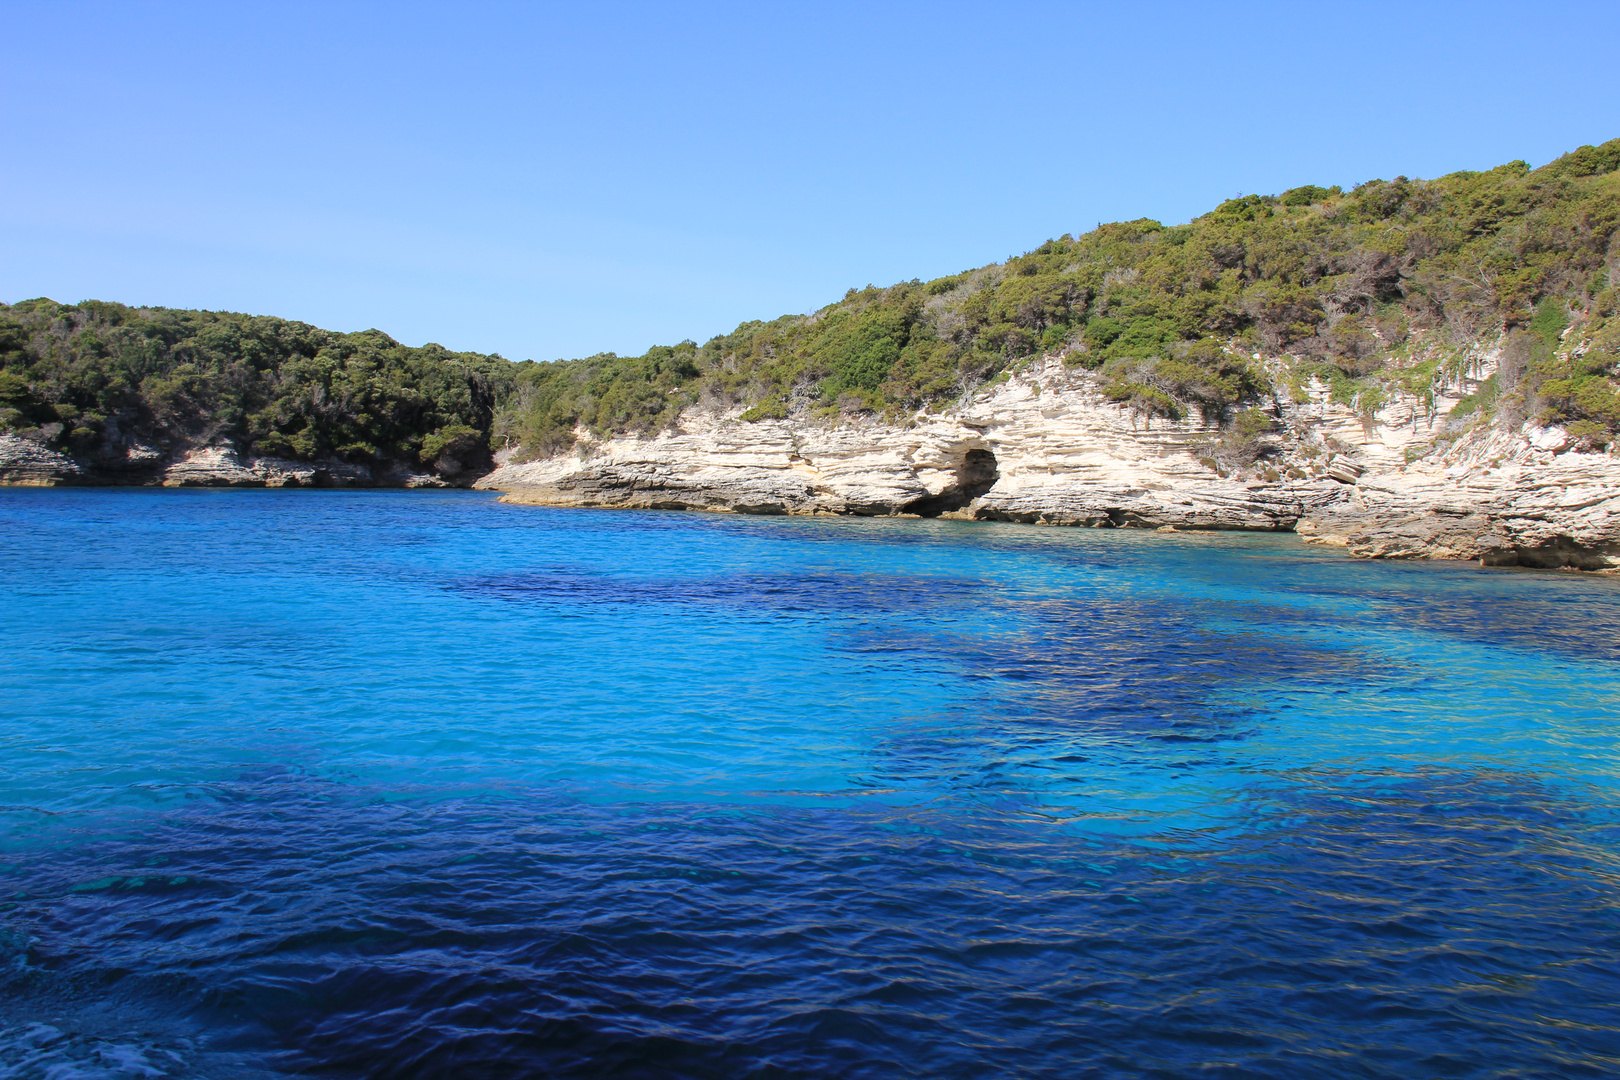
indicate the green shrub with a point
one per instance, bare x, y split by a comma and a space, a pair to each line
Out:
1308, 194
454, 439
772, 408
1551, 319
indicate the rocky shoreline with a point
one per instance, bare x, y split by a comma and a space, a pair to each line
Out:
26, 462
1045, 446
1048, 447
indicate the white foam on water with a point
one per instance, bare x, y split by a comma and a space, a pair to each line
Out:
43, 1051
40, 1051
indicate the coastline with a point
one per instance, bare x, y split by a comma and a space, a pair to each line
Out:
27, 463
1047, 447
1044, 446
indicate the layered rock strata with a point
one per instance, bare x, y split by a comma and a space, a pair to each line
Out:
1048, 447
29, 463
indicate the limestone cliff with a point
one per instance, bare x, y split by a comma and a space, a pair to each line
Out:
1402, 480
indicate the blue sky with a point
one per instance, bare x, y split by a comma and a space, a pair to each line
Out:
555, 180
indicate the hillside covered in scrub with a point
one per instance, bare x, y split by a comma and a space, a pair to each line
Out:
96, 378
1344, 283
1366, 290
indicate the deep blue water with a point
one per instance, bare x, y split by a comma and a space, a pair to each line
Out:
416, 784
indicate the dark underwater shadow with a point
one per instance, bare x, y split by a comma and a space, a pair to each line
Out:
1379, 924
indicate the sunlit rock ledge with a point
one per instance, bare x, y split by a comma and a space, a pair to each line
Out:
1047, 447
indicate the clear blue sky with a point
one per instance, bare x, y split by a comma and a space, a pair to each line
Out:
555, 180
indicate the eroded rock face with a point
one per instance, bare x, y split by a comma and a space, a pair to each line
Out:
217, 467
30, 463
1027, 452
1048, 447
1506, 499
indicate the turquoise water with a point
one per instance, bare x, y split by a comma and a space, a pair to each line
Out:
407, 784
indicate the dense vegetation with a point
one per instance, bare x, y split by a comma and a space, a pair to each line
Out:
93, 377
1384, 285
1347, 284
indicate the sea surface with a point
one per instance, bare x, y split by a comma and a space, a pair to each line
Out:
419, 785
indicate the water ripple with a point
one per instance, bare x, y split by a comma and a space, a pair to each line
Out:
419, 785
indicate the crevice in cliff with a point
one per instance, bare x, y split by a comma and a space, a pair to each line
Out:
975, 474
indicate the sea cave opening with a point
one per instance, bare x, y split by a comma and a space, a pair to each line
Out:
975, 474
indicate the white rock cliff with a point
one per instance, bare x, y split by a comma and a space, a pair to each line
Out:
1047, 447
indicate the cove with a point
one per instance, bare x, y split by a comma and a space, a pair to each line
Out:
418, 784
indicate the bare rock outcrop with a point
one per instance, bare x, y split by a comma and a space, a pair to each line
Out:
221, 467
1504, 498
28, 462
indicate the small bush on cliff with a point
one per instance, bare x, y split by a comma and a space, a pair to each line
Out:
1554, 377
1199, 374
456, 440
